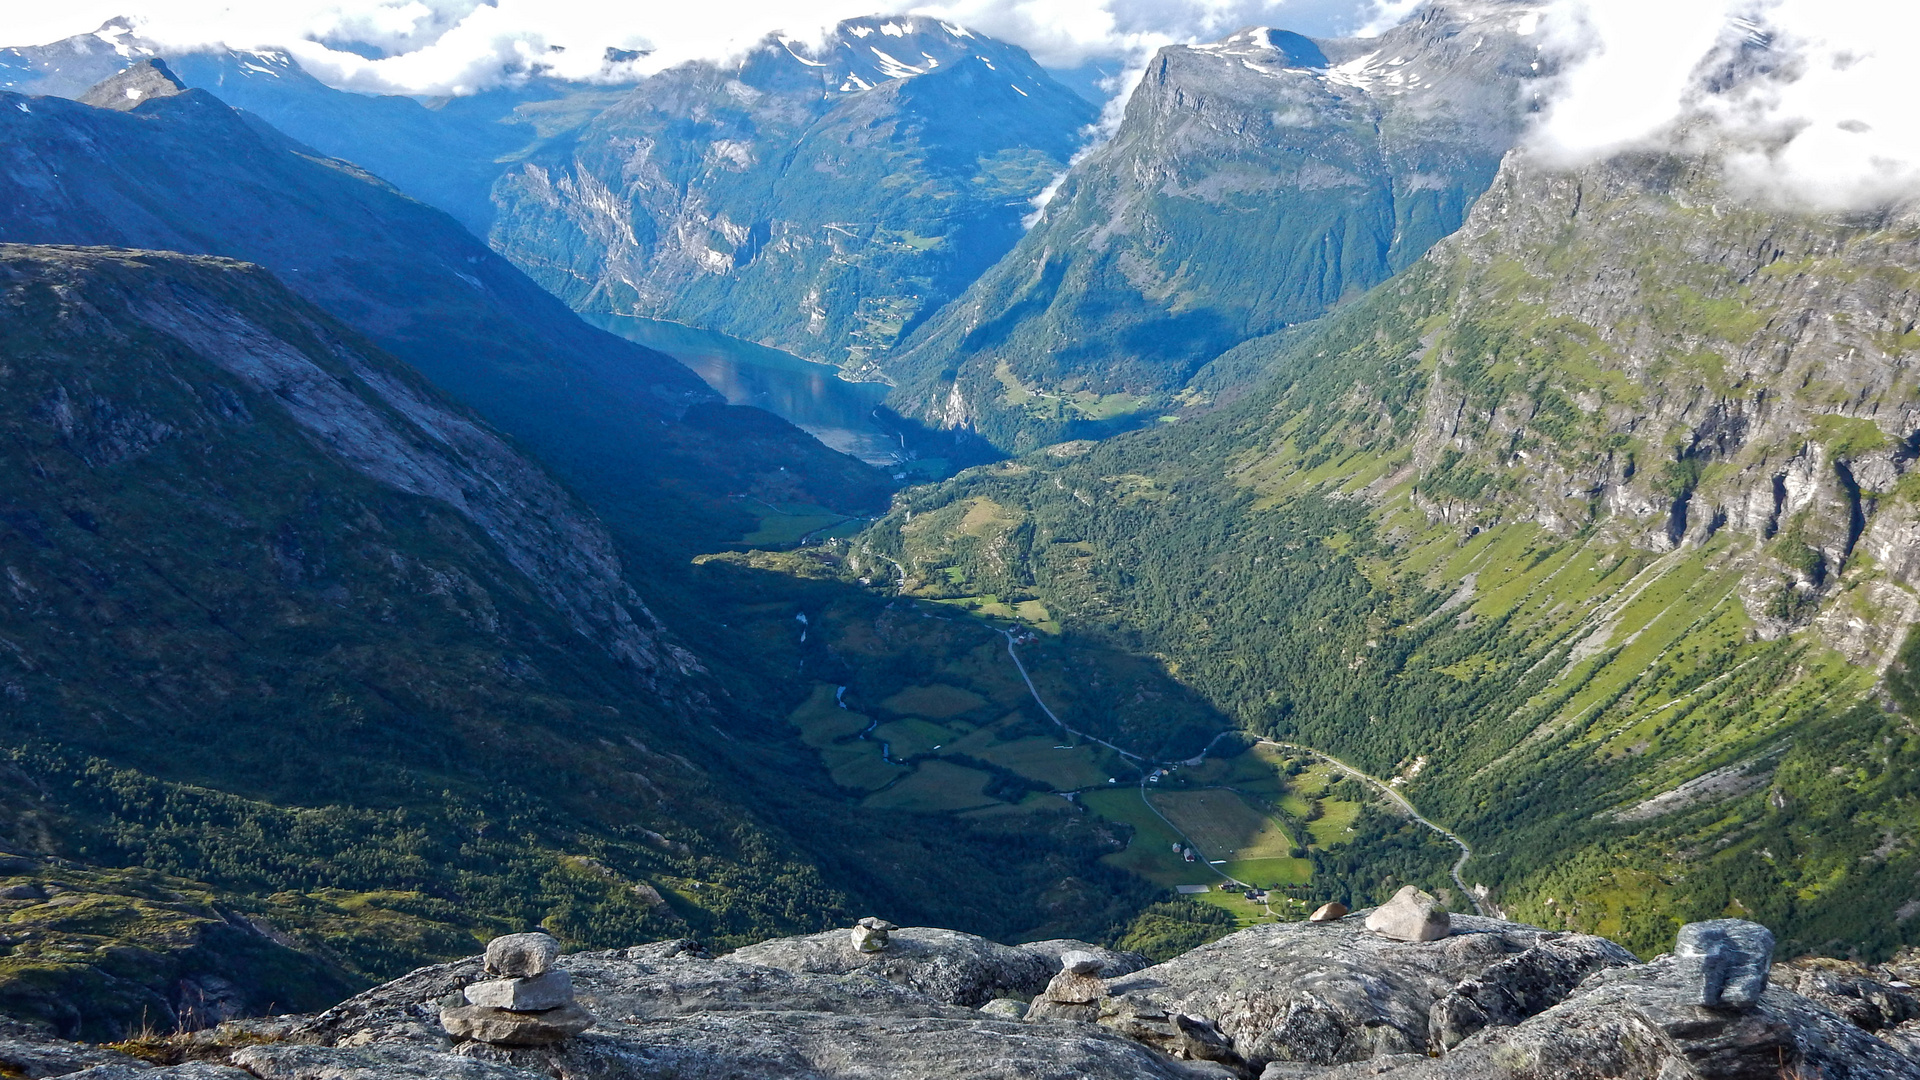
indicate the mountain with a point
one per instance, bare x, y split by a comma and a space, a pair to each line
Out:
445, 152
1253, 183
824, 201
656, 451
1595, 527
312, 672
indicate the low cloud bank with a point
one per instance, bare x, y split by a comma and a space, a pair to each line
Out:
1808, 101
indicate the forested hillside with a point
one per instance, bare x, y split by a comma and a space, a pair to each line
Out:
1595, 525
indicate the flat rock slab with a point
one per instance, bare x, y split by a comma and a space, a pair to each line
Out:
506, 1028
549, 991
813, 1046
387, 1061
956, 968
192, 1070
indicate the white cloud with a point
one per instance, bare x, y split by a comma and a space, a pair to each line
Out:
1821, 117
456, 46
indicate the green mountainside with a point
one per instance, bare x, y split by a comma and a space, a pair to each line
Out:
1594, 526
1253, 183
824, 201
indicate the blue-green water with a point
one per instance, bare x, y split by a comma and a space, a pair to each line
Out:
810, 396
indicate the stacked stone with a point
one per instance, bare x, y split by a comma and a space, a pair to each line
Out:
870, 934
528, 1003
1075, 993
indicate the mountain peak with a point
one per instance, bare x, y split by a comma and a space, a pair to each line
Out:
147, 79
1295, 50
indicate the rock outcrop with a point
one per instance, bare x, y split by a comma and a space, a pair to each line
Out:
1492, 1000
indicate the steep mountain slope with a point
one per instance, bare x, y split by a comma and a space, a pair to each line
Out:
824, 203
1254, 183
446, 153
1596, 526
655, 450
280, 619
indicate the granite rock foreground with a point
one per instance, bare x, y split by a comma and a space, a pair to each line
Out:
1491, 999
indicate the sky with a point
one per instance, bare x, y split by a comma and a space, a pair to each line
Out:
453, 46
1826, 123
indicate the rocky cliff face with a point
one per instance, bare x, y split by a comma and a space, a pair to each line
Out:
1278, 1002
1254, 183
186, 173
1699, 367
823, 202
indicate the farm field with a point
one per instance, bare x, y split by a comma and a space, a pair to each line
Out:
1150, 854
935, 787
1224, 825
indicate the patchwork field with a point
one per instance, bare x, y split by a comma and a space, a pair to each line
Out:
1224, 825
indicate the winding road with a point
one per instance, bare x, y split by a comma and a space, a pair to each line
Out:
1399, 800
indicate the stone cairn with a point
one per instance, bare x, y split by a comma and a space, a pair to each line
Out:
529, 1002
1412, 915
1073, 994
1726, 962
870, 934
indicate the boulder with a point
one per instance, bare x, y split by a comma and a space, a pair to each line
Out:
868, 940
505, 1027
521, 956
1005, 1009
23, 892
1412, 915
1330, 912
1725, 961
547, 991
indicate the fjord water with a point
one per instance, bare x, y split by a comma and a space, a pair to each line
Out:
808, 395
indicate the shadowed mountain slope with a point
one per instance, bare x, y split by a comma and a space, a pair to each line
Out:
280, 619
187, 173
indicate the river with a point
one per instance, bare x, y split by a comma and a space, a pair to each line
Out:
810, 396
